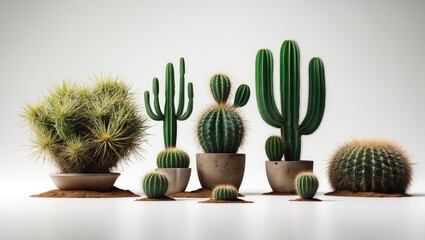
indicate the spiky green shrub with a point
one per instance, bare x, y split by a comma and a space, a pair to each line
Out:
370, 165
87, 129
288, 120
274, 148
220, 128
306, 184
155, 184
169, 115
225, 192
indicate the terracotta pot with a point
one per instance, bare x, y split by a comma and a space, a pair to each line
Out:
220, 168
281, 174
178, 178
100, 182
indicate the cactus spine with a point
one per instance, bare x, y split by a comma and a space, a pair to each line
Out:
274, 148
370, 165
306, 184
155, 185
288, 121
170, 116
220, 128
225, 192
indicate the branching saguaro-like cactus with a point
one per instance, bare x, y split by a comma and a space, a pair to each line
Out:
306, 184
225, 192
370, 166
155, 185
220, 128
288, 121
169, 115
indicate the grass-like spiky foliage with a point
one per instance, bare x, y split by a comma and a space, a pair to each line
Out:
87, 129
306, 184
225, 192
370, 165
155, 184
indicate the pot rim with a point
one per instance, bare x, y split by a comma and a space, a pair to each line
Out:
83, 174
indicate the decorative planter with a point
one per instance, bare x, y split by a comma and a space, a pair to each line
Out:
101, 182
220, 168
178, 178
281, 174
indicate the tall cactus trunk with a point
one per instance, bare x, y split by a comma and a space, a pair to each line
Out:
170, 119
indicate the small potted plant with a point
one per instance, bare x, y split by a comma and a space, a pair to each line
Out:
173, 161
281, 174
86, 132
220, 131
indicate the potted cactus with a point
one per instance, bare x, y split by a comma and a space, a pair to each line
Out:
281, 174
173, 161
86, 132
220, 131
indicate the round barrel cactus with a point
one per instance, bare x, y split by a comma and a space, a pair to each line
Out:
225, 192
173, 158
370, 165
306, 184
274, 148
155, 185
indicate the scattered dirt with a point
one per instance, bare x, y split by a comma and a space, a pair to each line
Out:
113, 193
155, 199
306, 200
279, 194
238, 200
198, 193
346, 193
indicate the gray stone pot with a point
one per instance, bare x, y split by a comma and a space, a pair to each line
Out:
220, 168
178, 178
100, 182
281, 174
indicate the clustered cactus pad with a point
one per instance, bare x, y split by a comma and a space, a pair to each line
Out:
370, 166
173, 158
87, 129
306, 184
225, 192
155, 185
220, 128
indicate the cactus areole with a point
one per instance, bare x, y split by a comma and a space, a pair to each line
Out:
288, 120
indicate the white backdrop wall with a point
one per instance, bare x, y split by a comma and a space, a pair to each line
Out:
373, 53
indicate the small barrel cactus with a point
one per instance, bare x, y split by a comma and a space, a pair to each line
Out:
274, 148
370, 165
155, 185
173, 158
225, 192
306, 184
220, 128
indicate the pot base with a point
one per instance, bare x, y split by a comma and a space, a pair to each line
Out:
281, 174
178, 178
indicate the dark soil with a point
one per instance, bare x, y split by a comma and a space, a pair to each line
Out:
280, 194
346, 193
199, 193
306, 200
155, 199
238, 200
113, 193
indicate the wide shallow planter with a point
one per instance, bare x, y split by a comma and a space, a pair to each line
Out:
281, 174
178, 178
220, 168
101, 182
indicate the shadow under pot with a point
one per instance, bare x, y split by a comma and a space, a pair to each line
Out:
178, 178
220, 168
281, 174
101, 182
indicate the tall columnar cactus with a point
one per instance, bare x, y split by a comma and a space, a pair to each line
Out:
155, 185
370, 165
288, 121
169, 115
225, 192
306, 184
220, 128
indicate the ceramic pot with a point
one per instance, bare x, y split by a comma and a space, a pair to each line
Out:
220, 168
281, 174
100, 182
178, 178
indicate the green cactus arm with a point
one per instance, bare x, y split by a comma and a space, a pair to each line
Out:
170, 119
242, 96
264, 88
181, 88
155, 91
316, 98
149, 111
189, 109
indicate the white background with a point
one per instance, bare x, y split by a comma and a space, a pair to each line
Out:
373, 53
